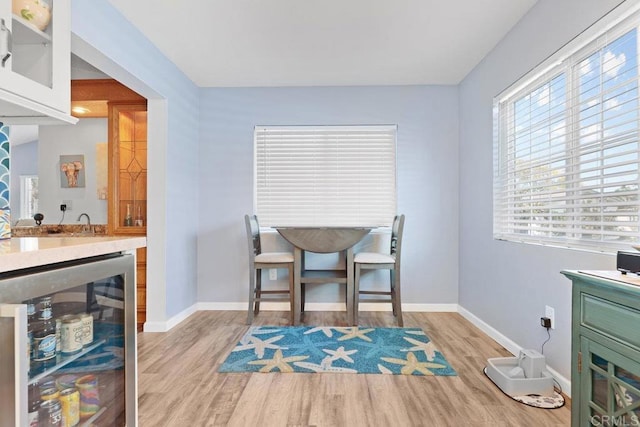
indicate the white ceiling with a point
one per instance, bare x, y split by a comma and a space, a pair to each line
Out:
231, 43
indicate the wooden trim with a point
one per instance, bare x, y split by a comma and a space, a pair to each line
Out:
102, 90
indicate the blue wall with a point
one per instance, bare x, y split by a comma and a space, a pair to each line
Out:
173, 157
427, 158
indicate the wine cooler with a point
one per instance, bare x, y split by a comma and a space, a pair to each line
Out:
68, 344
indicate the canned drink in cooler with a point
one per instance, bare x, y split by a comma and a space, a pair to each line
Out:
70, 402
87, 328
66, 381
45, 383
89, 397
71, 334
58, 338
49, 393
51, 413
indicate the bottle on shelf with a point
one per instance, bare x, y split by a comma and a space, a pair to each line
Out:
34, 406
128, 220
31, 323
139, 220
44, 338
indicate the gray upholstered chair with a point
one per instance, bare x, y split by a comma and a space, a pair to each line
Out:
382, 261
259, 260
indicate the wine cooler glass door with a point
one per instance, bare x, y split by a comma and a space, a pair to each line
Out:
67, 345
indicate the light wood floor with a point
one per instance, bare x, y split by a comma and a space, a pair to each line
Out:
179, 385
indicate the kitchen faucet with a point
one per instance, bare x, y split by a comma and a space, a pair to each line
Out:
86, 228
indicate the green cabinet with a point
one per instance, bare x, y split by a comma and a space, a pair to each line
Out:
605, 348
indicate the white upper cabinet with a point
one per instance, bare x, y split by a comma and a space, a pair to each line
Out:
35, 62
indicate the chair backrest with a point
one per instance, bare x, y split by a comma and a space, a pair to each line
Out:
253, 235
396, 237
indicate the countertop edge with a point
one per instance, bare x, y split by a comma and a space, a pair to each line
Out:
26, 252
612, 277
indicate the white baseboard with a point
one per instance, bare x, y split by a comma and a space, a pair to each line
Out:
511, 346
236, 306
171, 322
426, 308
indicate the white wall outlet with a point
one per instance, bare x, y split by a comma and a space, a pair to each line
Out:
68, 203
551, 314
273, 274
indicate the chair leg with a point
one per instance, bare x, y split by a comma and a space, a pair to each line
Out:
252, 295
303, 288
392, 289
396, 297
356, 292
292, 303
258, 291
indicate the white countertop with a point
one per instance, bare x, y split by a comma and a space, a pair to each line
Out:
24, 252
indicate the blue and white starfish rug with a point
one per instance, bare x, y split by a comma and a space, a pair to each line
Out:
356, 350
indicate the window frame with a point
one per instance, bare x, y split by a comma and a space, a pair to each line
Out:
565, 61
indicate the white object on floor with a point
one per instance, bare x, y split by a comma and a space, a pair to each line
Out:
522, 375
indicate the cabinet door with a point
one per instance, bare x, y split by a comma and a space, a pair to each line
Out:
610, 386
128, 168
38, 68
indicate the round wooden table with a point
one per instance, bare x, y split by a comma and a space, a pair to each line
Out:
323, 240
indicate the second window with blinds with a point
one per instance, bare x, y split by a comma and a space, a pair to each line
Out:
323, 176
567, 152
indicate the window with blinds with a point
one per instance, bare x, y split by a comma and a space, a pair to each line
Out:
566, 145
325, 175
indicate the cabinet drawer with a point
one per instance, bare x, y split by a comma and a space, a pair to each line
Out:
611, 319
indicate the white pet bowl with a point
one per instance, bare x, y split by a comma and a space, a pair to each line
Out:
499, 370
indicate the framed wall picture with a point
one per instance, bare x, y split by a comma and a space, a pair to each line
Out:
72, 171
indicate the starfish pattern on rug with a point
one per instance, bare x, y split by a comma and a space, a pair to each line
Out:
427, 347
327, 363
341, 353
354, 333
278, 362
305, 345
325, 330
259, 345
412, 364
379, 347
325, 366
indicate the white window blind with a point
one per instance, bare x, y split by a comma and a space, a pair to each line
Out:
28, 196
325, 175
566, 145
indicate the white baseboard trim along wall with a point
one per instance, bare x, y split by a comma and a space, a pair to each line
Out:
504, 341
173, 321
